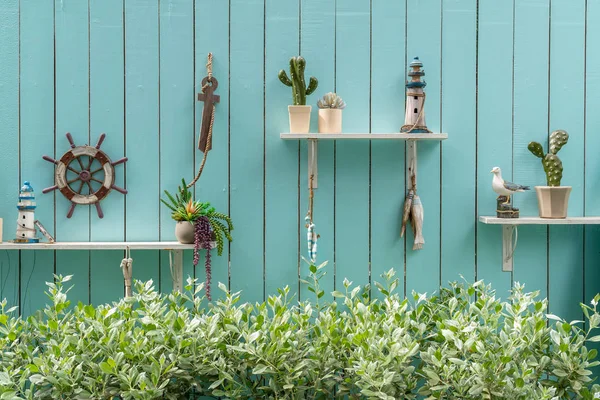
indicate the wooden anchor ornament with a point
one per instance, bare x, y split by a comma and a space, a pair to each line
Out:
505, 190
414, 119
85, 166
209, 85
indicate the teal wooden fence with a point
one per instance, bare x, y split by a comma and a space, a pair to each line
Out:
499, 74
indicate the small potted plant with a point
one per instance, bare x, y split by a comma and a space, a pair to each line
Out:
330, 113
299, 112
199, 223
553, 200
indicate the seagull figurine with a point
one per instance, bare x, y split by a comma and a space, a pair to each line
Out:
504, 188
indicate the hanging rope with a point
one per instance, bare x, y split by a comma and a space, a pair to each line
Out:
126, 266
311, 236
212, 121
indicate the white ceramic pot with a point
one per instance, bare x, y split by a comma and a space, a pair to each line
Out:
553, 201
184, 232
299, 118
330, 120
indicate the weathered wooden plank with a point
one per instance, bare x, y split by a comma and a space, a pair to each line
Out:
72, 115
353, 80
387, 158
142, 115
9, 146
107, 93
424, 40
459, 107
281, 159
318, 47
530, 112
247, 147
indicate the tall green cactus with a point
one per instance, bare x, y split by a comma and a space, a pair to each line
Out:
297, 83
552, 164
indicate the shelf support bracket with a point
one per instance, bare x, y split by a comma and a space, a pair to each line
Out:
176, 263
411, 162
312, 162
508, 248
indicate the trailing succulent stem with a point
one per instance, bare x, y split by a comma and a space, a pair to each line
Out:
552, 164
296, 81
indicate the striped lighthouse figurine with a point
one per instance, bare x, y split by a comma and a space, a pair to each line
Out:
414, 120
26, 232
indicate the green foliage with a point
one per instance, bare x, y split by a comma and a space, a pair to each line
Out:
184, 208
552, 164
296, 81
463, 343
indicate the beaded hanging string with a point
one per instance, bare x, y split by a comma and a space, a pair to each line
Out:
311, 236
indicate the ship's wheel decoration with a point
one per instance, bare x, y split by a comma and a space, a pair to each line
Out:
85, 175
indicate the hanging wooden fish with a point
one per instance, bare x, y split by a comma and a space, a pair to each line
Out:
407, 207
311, 238
416, 216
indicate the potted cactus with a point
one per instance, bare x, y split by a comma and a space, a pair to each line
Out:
299, 111
553, 200
330, 113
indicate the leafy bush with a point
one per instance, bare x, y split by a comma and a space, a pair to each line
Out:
461, 344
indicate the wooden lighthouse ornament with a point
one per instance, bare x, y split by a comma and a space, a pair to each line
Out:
414, 120
26, 232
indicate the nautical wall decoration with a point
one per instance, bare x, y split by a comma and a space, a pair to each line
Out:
505, 190
414, 119
26, 232
85, 168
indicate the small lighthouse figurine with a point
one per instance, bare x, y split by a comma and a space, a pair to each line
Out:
26, 232
414, 120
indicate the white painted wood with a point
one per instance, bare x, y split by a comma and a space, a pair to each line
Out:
99, 246
411, 163
540, 221
365, 136
312, 162
507, 247
177, 271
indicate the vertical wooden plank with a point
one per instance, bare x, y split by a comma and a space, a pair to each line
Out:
495, 132
459, 48
387, 158
176, 116
424, 41
142, 132
592, 142
72, 115
530, 123
247, 147
106, 115
318, 43
353, 158
9, 145
212, 35
281, 158
567, 64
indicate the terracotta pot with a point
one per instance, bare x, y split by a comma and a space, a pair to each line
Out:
299, 118
184, 232
553, 201
330, 120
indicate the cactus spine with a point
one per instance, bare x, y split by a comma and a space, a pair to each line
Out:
296, 81
552, 164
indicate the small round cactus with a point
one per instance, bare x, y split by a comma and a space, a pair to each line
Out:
331, 100
551, 163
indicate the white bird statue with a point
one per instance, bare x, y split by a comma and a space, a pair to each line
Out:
504, 188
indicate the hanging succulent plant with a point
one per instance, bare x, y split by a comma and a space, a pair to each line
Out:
331, 100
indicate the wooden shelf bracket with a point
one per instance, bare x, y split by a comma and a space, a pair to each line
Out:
312, 162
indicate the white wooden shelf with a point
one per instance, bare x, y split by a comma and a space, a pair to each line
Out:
410, 138
540, 221
509, 228
98, 246
365, 136
176, 247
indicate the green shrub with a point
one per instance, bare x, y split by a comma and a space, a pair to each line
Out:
463, 343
